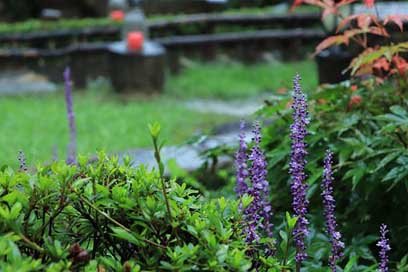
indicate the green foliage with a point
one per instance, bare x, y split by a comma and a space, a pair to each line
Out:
104, 121
369, 138
113, 216
108, 216
36, 124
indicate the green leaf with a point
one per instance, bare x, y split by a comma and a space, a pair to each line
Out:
351, 263
125, 235
398, 110
356, 174
154, 129
291, 221
15, 211
387, 159
395, 175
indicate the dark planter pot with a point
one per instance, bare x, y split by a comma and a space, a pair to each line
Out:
140, 72
332, 63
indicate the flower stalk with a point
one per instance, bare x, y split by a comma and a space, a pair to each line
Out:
384, 246
71, 153
297, 170
329, 204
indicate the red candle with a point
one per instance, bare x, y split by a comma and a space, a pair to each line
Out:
135, 40
117, 15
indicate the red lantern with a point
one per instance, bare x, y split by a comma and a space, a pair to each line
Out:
135, 40
117, 15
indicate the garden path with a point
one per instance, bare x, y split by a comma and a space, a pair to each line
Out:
189, 157
22, 81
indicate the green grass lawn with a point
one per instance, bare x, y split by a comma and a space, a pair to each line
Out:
36, 124
105, 121
234, 80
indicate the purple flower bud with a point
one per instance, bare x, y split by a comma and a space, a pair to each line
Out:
71, 156
297, 169
329, 207
384, 246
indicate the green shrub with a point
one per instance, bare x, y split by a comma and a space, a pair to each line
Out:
113, 216
367, 130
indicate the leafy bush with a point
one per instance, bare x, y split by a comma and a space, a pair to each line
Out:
113, 217
110, 216
366, 128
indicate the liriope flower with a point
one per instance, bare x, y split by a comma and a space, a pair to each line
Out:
259, 212
329, 204
384, 246
259, 183
297, 169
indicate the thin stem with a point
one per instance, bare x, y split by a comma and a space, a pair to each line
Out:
161, 176
52, 217
86, 201
31, 244
285, 258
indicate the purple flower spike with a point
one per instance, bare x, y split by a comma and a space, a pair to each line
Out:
297, 169
329, 207
22, 160
241, 164
258, 173
384, 246
259, 212
71, 156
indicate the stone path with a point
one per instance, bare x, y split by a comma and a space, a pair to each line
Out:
23, 81
188, 157
235, 108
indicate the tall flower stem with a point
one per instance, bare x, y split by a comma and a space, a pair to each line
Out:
329, 204
297, 170
71, 156
259, 211
384, 246
285, 257
154, 132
